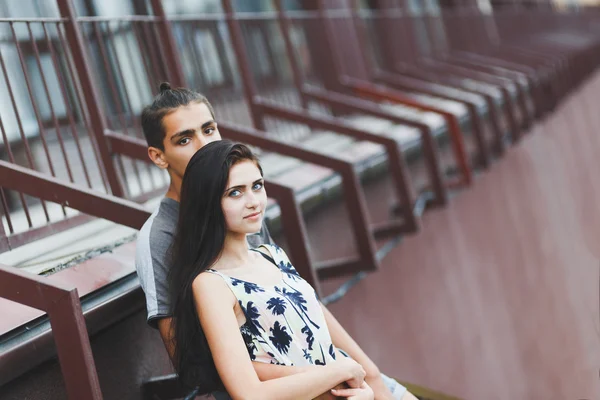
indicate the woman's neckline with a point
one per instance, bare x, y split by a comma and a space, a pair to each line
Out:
280, 282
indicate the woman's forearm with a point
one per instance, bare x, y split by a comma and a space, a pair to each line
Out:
308, 384
267, 372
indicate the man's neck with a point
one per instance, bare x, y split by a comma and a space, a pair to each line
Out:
174, 191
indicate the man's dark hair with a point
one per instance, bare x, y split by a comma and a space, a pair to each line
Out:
166, 101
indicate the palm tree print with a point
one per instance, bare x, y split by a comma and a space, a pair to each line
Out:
289, 270
280, 339
249, 287
248, 339
297, 299
252, 316
276, 305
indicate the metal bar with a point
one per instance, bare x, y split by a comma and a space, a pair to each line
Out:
285, 26
294, 231
402, 82
11, 158
329, 123
248, 83
65, 98
6, 213
361, 106
85, 116
91, 96
123, 111
354, 197
35, 111
52, 113
168, 45
68, 326
35, 184
381, 93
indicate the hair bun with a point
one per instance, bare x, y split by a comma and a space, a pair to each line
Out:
164, 86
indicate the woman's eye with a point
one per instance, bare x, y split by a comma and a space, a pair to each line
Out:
234, 193
185, 141
257, 186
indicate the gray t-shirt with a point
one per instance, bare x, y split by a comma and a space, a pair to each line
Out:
152, 261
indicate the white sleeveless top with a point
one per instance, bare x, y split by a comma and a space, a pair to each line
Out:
284, 324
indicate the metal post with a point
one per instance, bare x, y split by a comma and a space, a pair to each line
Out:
91, 95
250, 92
168, 45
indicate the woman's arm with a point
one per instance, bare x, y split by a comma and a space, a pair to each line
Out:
342, 340
215, 306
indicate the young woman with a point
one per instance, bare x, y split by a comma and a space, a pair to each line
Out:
234, 305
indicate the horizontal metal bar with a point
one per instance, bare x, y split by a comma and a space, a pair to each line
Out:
132, 18
126, 145
97, 204
52, 20
29, 289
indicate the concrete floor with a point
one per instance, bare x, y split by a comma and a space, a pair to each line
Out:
498, 296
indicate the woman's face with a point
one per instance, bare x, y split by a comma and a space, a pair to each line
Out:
244, 199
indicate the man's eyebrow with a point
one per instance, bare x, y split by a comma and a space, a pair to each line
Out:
207, 124
182, 133
191, 131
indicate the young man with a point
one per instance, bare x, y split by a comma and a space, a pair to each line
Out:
176, 125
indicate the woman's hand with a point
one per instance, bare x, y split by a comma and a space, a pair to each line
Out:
354, 370
364, 392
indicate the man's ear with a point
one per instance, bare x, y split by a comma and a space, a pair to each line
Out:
158, 157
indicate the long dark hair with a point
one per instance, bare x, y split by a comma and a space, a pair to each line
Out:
197, 245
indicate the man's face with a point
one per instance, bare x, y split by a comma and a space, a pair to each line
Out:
187, 129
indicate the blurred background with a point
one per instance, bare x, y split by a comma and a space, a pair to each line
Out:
430, 167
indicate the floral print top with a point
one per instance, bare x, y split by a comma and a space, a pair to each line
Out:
284, 324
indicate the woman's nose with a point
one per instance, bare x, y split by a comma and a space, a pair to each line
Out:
251, 200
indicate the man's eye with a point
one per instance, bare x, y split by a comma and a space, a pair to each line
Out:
185, 140
257, 186
209, 131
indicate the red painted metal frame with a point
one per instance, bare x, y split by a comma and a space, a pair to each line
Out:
262, 108
66, 318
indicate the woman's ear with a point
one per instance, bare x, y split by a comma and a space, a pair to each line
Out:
158, 157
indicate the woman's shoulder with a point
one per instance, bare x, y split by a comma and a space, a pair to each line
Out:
210, 285
272, 250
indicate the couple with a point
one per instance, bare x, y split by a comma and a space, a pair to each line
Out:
233, 313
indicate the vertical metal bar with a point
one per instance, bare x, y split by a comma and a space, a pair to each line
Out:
97, 122
36, 110
248, 83
52, 113
67, 104
294, 231
85, 118
119, 160
23, 137
285, 26
136, 119
7, 213
73, 347
168, 44
155, 61
188, 33
127, 105
11, 158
